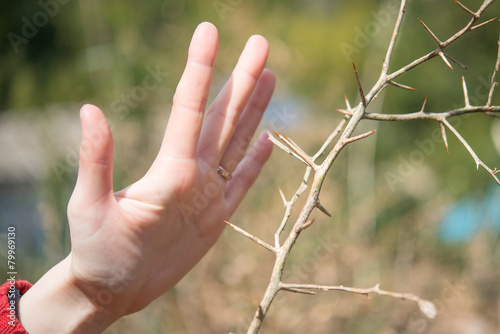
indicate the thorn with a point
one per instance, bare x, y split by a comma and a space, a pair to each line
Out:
345, 112
304, 226
466, 94
347, 103
252, 237
465, 67
424, 105
443, 134
322, 209
467, 9
443, 56
483, 24
431, 33
396, 84
361, 93
362, 136
283, 197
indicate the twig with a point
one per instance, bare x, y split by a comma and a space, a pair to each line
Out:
420, 115
427, 307
353, 116
494, 77
395, 34
478, 161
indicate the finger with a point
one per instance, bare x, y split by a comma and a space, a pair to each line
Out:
183, 129
247, 171
222, 117
95, 171
249, 121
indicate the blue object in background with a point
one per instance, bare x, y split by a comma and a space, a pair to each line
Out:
471, 215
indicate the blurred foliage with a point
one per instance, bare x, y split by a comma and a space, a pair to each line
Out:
100, 51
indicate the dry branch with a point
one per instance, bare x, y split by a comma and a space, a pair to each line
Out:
344, 131
427, 307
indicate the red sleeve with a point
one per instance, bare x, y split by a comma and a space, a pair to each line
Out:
9, 324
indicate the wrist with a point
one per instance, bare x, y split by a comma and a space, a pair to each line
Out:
55, 305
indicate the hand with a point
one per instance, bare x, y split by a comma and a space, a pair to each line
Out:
131, 246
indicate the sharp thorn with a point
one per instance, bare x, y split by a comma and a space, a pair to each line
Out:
396, 84
431, 33
360, 88
443, 134
443, 56
347, 103
466, 94
467, 9
483, 24
424, 104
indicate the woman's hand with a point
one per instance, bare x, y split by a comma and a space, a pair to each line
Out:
131, 246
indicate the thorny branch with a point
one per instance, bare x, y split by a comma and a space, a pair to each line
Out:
344, 131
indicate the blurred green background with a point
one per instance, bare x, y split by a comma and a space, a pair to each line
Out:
405, 213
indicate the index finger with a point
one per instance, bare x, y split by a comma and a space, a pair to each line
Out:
183, 129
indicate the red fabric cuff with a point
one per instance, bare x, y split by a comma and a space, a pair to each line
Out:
9, 323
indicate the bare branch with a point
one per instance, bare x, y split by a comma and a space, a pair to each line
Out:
494, 77
427, 307
334, 134
353, 116
419, 115
252, 237
472, 153
283, 197
395, 34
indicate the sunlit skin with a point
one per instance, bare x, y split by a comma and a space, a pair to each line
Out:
129, 247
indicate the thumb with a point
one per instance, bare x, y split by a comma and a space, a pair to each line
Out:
95, 172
